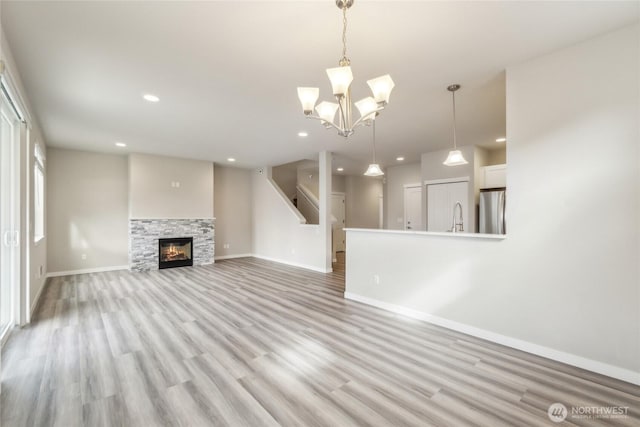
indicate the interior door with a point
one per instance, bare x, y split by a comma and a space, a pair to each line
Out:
338, 212
413, 208
441, 200
9, 193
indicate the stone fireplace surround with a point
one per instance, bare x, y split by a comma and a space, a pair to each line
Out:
144, 235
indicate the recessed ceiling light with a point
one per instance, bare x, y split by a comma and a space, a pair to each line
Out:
400, 159
231, 159
120, 144
150, 97
303, 134
501, 140
340, 169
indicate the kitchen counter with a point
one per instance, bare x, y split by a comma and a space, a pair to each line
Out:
432, 233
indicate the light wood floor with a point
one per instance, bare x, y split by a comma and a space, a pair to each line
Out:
250, 342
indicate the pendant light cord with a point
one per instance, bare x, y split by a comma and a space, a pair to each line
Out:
454, 120
344, 36
374, 141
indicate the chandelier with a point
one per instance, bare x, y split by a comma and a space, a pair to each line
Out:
341, 78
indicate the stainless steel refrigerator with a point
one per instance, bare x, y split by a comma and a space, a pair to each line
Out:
492, 205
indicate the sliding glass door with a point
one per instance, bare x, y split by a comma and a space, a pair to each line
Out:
9, 213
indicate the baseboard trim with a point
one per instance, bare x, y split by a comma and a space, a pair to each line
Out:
233, 256
539, 350
294, 264
36, 300
87, 270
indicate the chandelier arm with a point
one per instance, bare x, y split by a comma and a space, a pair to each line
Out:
324, 121
362, 120
374, 141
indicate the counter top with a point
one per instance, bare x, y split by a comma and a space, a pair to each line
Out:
432, 233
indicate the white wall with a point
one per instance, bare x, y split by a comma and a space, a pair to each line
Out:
232, 209
565, 282
396, 178
152, 195
88, 210
278, 231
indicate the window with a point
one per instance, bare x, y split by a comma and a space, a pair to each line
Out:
38, 195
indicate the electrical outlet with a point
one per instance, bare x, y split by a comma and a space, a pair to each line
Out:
225, 246
376, 279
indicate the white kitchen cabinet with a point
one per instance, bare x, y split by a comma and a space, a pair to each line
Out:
494, 176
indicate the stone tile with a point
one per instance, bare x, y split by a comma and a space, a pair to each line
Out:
144, 235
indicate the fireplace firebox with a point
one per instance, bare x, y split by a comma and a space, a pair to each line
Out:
175, 252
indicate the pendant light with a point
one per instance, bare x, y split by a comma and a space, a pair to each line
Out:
455, 157
374, 168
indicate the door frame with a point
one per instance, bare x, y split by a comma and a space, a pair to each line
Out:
13, 239
22, 168
404, 203
344, 205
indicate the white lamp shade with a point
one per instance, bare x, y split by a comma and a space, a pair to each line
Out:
374, 170
367, 106
341, 78
308, 97
381, 88
327, 110
455, 158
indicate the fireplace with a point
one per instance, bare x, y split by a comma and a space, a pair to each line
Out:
176, 252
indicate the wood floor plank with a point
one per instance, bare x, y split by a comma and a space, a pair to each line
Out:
249, 342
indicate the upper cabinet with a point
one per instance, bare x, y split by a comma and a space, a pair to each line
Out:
494, 176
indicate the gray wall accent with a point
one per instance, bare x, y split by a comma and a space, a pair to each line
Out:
309, 177
144, 235
233, 195
154, 194
497, 156
396, 178
362, 201
307, 208
86, 210
338, 184
286, 176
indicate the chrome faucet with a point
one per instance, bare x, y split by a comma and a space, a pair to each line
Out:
457, 226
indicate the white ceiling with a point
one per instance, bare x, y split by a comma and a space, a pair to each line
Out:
227, 71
